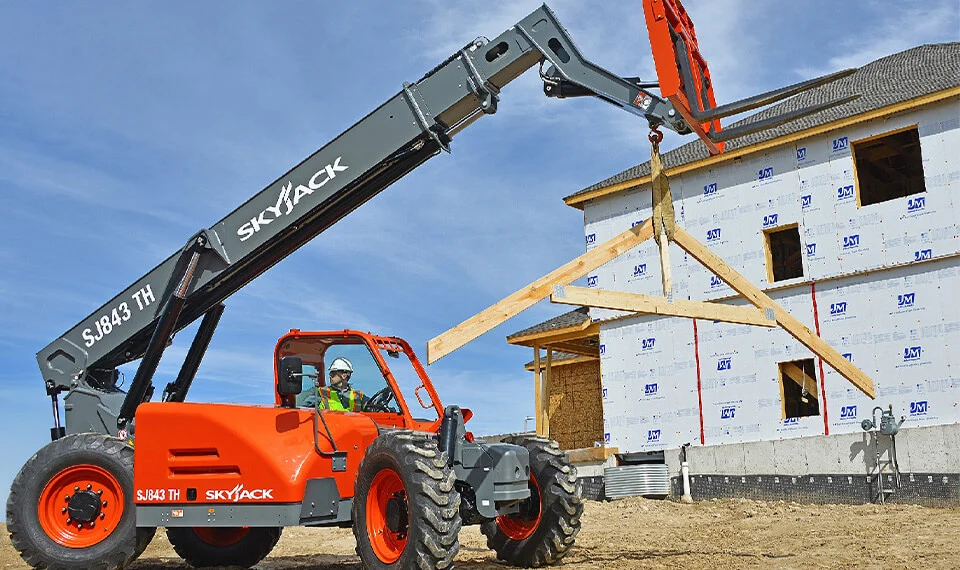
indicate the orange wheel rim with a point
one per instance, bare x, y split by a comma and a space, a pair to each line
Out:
521, 525
387, 544
219, 536
80, 506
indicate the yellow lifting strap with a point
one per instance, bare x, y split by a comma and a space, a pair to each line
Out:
663, 218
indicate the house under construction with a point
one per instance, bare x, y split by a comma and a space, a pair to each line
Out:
848, 219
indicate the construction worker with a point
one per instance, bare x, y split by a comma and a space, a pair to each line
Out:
338, 395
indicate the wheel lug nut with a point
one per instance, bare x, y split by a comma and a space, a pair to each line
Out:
102, 516
63, 510
79, 526
99, 491
91, 524
89, 486
76, 489
67, 498
69, 520
104, 503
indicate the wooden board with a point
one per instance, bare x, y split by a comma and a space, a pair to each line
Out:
576, 405
798, 330
447, 342
586, 454
649, 304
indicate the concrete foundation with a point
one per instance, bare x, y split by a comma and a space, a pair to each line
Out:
836, 468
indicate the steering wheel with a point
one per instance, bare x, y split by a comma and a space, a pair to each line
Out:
380, 401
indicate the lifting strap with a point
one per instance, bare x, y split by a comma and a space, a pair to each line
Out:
663, 216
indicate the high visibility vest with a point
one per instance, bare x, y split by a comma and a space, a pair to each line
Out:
330, 400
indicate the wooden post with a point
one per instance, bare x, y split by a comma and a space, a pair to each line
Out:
798, 330
538, 408
447, 342
545, 393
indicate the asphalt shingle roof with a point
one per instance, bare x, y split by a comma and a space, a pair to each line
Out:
573, 318
887, 81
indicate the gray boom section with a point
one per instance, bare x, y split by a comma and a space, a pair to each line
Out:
408, 129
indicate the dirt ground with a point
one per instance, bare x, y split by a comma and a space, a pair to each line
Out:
639, 533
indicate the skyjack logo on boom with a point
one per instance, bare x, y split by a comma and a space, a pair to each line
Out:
286, 203
238, 493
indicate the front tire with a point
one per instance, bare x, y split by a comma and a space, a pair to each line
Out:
543, 532
223, 546
406, 512
71, 506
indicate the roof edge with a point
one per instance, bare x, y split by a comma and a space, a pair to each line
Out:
577, 200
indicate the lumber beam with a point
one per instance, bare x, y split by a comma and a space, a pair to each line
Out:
799, 377
574, 348
447, 342
752, 293
587, 454
586, 330
637, 303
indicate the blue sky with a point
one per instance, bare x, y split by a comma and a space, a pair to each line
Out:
123, 132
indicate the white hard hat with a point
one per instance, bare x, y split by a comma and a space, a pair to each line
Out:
341, 364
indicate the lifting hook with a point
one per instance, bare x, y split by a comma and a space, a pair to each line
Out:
655, 135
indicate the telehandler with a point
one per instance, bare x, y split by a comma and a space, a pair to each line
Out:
225, 479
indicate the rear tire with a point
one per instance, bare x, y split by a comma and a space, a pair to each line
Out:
223, 546
545, 529
52, 488
406, 512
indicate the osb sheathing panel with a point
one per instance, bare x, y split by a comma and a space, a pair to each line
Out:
576, 406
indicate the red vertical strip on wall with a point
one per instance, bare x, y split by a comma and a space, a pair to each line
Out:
696, 353
823, 385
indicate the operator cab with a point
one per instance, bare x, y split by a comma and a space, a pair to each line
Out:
387, 380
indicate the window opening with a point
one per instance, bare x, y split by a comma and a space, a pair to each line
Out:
784, 260
798, 387
888, 167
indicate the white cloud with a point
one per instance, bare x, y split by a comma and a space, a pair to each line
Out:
902, 28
